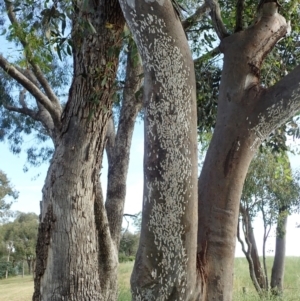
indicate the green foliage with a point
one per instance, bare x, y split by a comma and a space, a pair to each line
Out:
124, 258
18, 238
6, 190
25, 28
283, 58
6, 266
14, 126
270, 186
129, 244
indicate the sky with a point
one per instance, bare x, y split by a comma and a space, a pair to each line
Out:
30, 185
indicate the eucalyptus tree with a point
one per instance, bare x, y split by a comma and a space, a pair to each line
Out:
271, 190
169, 266
78, 240
79, 233
19, 238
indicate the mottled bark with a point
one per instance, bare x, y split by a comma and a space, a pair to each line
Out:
73, 223
165, 264
277, 275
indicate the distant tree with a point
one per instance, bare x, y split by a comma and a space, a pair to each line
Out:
7, 238
6, 191
272, 191
26, 225
18, 239
129, 243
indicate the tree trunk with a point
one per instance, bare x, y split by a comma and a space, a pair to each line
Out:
118, 145
10, 246
267, 229
73, 222
118, 151
258, 270
29, 263
165, 264
22, 268
251, 242
255, 268
33, 268
238, 133
220, 188
279, 259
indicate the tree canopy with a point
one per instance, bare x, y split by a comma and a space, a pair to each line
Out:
6, 191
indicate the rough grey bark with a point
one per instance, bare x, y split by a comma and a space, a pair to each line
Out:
73, 221
77, 250
277, 275
165, 264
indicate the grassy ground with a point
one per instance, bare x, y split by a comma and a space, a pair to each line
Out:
16, 289
21, 289
242, 280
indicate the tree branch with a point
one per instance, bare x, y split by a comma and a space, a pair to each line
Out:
276, 105
24, 111
130, 215
36, 69
31, 87
42, 115
239, 15
200, 11
210, 54
216, 18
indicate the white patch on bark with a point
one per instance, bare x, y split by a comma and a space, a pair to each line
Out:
160, 2
131, 3
154, 273
250, 81
168, 116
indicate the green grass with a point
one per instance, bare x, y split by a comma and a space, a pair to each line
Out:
242, 280
21, 289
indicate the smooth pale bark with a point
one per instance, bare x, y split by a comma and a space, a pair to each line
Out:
239, 130
165, 263
74, 225
279, 258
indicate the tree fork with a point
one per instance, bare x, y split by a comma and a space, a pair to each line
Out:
233, 145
